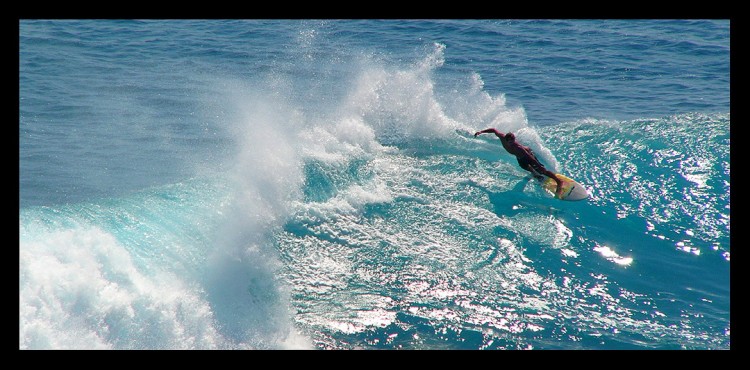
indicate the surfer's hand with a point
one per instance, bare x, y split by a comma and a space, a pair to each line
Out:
477, 133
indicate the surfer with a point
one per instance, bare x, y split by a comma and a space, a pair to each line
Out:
526, 158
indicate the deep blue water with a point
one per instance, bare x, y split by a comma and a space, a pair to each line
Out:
315, 184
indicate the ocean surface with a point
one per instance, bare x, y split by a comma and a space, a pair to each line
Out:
315, 184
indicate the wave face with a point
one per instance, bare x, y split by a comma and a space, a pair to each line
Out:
452, 248
152, 271
309, 189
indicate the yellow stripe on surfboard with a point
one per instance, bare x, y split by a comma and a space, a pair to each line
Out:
568, 185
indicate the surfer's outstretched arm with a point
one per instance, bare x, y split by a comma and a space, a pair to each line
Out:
492, 130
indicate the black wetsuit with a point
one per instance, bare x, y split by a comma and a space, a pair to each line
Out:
525, 156
531, 164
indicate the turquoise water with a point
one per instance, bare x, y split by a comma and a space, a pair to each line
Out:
315, 185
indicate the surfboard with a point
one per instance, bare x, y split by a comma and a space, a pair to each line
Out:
571, 189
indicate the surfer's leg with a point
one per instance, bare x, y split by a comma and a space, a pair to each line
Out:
526, 165
536, 174
540, 168
547, 173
